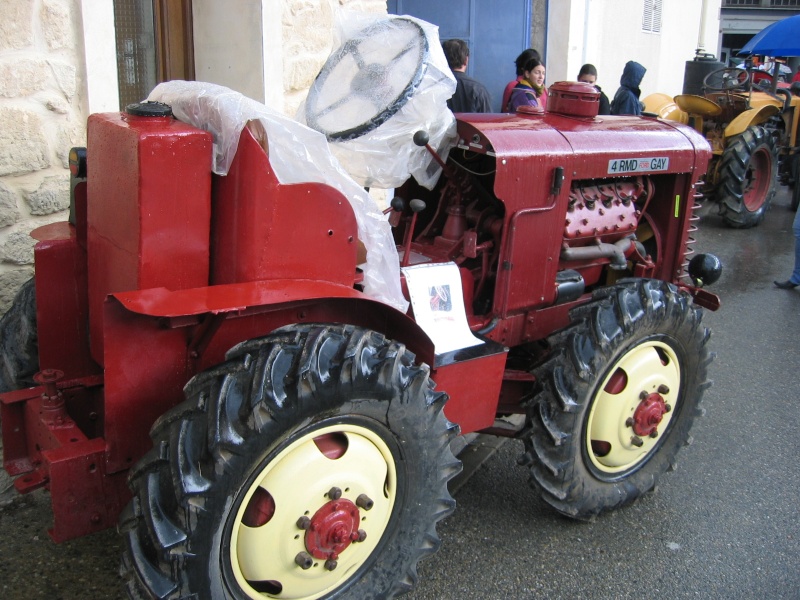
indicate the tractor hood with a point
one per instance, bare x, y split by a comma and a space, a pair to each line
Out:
529, 149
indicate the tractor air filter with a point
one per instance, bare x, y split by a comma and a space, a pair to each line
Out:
574, 99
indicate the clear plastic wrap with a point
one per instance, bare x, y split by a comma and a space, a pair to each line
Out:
297, 154
386, 79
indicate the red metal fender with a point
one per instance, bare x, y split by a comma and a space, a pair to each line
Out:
156, 340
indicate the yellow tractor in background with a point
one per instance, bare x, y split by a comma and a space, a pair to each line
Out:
753, 135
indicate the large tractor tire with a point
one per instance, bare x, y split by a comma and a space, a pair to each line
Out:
747, 178
19, 342
616, 400
313, 463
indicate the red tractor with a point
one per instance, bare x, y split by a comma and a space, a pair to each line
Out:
213, 380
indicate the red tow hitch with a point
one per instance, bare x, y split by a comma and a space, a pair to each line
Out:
43, 447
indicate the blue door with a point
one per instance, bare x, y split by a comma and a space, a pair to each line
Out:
495, 30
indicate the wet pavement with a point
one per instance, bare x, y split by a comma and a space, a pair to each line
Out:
724, 525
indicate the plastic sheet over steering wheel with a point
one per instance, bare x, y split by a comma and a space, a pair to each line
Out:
367, 80
726, 80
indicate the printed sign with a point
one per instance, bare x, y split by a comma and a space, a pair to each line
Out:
621, 166
438, 303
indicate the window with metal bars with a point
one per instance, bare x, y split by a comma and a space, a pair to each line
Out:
136, 49
761, 3
154, 44
651, 18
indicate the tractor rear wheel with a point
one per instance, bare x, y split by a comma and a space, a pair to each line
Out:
617, 398
19, 342
313, 463
747, 178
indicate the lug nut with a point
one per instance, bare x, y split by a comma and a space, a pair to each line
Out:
304, 560
364, 501
662, 389
334, 493
629, 422
654, 434
667, 408
303, 523
331, 564
360, 536
643, 395
637, 441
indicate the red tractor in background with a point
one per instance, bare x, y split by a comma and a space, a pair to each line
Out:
213, 380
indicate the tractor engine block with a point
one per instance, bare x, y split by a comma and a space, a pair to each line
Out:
609, 210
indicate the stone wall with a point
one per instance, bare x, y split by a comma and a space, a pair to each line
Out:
41, 117
43, 107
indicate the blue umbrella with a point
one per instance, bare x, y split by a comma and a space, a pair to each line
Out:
782, 38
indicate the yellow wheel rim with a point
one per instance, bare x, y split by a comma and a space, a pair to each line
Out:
292, 493
633, 407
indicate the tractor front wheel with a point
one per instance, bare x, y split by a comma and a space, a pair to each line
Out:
747, 178
312, 464
617, 399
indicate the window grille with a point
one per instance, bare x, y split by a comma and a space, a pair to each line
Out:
136, 49
730, 3
651, 19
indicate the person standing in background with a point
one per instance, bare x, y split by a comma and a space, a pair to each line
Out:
524, 57
794, 280
529, 89
588, 74
626, 100
470, 95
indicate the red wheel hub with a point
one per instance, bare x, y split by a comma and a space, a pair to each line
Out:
648, 415
333, 528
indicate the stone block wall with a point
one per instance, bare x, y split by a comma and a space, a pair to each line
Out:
41, 117
43, 107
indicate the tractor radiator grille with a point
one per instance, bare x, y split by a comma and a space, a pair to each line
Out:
690, 240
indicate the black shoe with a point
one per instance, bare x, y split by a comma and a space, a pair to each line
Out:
785, 285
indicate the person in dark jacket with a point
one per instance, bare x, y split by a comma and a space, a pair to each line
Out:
626, 100
470, 95
588, 74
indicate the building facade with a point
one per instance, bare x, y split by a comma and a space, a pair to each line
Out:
61, 60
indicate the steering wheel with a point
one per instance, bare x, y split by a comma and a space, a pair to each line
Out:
727, 80
367, 80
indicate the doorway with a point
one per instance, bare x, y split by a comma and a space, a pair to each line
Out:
495, 30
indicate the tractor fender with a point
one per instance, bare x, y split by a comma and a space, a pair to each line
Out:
156, 340
750, 117
318, 300
665, 108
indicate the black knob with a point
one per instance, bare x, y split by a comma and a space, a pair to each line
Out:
417, 205
421, 138
398, 204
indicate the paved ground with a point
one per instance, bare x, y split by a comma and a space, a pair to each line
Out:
724, 525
